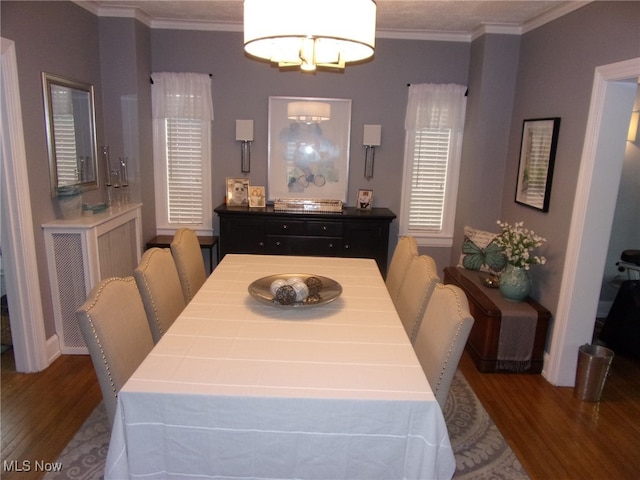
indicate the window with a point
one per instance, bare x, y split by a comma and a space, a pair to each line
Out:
182, 151
435, 117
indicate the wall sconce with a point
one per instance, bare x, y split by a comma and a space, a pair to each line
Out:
244, 134
633, 127
370, 140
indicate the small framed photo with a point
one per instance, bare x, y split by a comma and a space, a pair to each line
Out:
256, 196
237, 191
365, 200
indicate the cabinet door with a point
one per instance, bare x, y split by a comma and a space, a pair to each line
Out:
362, 240
242, 235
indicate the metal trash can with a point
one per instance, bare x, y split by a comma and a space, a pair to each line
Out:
593, 365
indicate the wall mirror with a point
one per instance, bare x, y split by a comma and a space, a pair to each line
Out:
71, 133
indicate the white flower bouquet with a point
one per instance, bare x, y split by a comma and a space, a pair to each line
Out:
517, 244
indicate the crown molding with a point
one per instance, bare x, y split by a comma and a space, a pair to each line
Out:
441, 36
553, 14
438, 36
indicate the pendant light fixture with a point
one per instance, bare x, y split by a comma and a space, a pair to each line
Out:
310, 33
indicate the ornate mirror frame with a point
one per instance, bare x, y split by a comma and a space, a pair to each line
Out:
71, 133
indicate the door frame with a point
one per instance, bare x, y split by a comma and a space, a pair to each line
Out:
18, 241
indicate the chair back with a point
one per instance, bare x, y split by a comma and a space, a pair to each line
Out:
114, 326
160, 289
442, 336
415, 292
405, 251
185, 248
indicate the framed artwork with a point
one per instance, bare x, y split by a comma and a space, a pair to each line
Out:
256, 196
365, 200
537, 157
309, 148
237, 191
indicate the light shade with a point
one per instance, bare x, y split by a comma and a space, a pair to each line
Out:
309, 112
244, 130
310, 33
371, 135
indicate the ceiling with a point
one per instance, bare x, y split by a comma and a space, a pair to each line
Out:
395, 18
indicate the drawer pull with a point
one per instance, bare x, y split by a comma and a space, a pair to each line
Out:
324, 227
284, 227
278, 244
261, 244
331, 245
346, 247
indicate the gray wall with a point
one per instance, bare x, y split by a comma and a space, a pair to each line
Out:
555, 76
545, 72
378, 90
60, 38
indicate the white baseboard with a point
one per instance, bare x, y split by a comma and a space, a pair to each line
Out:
53, 348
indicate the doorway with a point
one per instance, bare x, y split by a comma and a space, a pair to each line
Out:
17, 234
600, 170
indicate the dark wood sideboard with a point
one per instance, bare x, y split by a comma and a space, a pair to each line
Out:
482, 344
350, 233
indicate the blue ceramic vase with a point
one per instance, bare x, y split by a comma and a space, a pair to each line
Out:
515, 283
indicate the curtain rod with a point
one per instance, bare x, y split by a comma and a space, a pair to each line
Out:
151, 78
466, 93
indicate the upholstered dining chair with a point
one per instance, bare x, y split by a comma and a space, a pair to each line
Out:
160, 289
441, 338
415, 291
405, 251
189, 262
114, 326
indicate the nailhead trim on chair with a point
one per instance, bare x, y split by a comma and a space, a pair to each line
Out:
153, 303
93, 328
444, 366
177, 241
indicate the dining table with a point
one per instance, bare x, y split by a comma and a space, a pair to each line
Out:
243, 388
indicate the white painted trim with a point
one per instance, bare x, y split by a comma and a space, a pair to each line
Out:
18, 241
434, 35
593, 210
553, 14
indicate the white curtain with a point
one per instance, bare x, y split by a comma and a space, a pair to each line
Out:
182, 95
436, 106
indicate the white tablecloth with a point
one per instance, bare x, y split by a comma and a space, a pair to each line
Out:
237, 389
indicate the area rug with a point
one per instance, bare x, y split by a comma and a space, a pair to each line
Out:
481, 451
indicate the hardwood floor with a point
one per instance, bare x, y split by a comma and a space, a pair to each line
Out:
42, 411
554, 435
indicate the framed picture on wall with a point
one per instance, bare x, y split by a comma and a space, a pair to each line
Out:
364, 200
308, 148
537, 157
237, 191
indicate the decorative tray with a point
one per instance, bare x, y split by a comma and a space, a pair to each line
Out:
295, 290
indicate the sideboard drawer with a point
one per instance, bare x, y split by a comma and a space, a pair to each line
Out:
285, 227
329, 229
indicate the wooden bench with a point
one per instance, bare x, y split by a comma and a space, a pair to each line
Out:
206, 243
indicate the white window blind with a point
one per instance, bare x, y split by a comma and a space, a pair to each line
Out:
429, 179
539, 141
433, 124
182, 115
184, 170
64, 133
